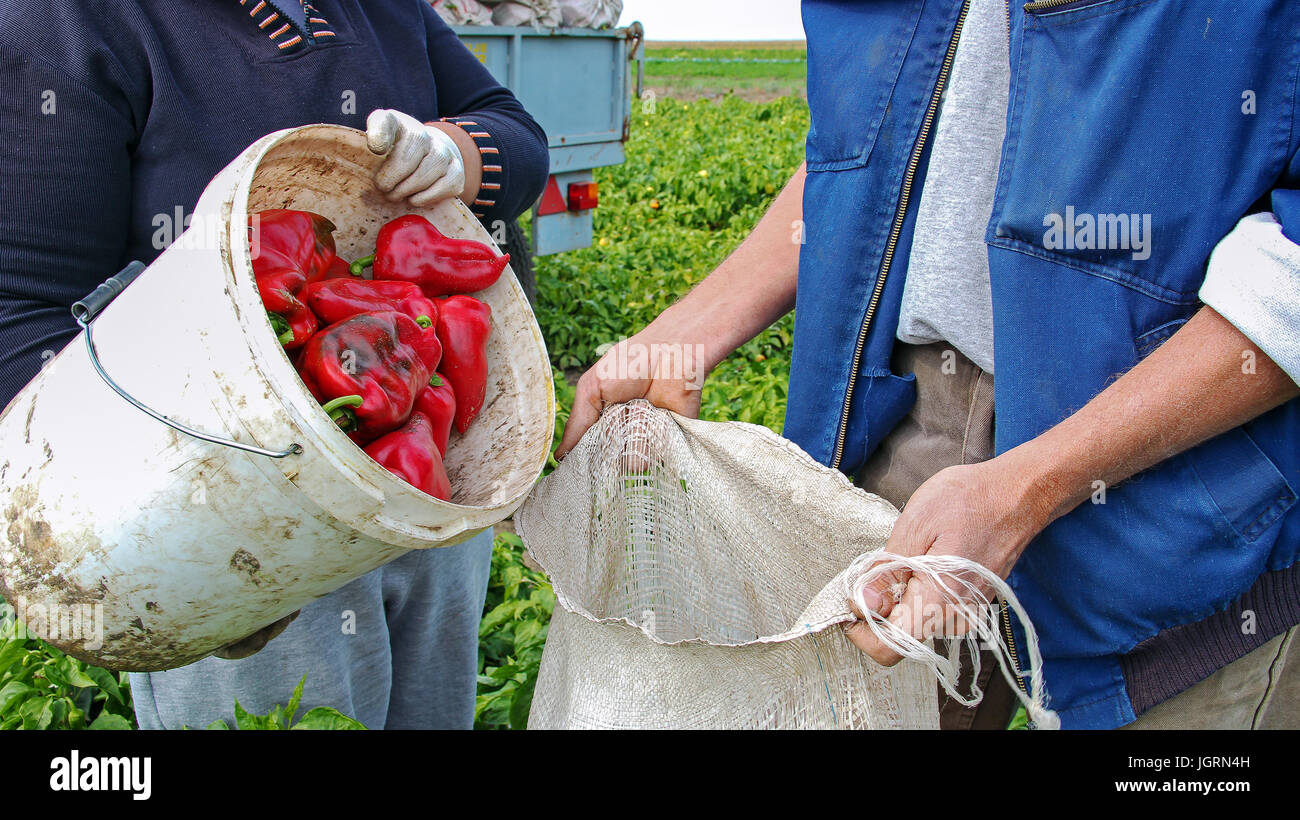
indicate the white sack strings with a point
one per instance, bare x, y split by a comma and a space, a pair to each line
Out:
963, 601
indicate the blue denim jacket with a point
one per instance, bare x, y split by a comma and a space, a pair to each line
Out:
1178, 115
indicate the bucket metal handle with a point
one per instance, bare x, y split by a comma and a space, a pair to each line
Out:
89, 308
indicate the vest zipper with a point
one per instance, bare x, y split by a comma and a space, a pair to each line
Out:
904, 197
1011, 647
1044, 5
895, 231
1006, 614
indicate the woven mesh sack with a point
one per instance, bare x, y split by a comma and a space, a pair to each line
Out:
702, 571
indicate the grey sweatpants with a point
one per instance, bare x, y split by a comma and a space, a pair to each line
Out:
396, 648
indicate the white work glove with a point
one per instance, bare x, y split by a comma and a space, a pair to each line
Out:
423, 163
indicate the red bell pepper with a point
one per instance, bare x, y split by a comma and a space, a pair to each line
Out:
333, 300
286, 247
429, 346
291, 320
366, 371
438, 401
464, 325
338, 269
298, 239
411, 249
410, 454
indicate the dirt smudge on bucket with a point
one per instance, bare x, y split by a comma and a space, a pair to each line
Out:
33, 563
245, 562
27, 428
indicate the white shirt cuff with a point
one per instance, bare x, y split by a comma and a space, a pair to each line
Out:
1253, 281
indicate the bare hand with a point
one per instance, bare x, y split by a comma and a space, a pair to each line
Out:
651, 365
982, 512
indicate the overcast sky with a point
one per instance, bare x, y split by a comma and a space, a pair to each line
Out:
716, 19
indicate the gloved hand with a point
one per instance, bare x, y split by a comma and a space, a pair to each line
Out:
423, 163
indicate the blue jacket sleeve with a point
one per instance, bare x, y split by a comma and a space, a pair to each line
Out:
64, 179
513, 146
1286, 207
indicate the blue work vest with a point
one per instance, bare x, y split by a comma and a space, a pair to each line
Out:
1179, 114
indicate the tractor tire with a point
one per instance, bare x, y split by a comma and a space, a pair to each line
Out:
521, 260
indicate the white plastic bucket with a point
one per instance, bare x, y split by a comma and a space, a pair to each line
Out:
134, 546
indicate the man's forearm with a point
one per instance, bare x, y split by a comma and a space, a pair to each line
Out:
751, 289
1192, 388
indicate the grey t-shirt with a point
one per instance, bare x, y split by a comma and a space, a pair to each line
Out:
947, 295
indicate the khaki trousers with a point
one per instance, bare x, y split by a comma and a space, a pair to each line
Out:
950, 424
1260, 690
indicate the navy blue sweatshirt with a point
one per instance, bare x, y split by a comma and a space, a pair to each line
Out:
115, 114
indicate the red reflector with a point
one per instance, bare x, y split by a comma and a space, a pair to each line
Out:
552, 202
582, 196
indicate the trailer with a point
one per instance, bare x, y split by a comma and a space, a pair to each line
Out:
579, 85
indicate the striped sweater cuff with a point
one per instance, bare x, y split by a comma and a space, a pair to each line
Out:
489, 191
519, 165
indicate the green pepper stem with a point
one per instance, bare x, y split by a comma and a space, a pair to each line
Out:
342, 401
340, 410
424, 321
361, 264
283, 332
435, 381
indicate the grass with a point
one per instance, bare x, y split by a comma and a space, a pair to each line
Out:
756, 72
698, 177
